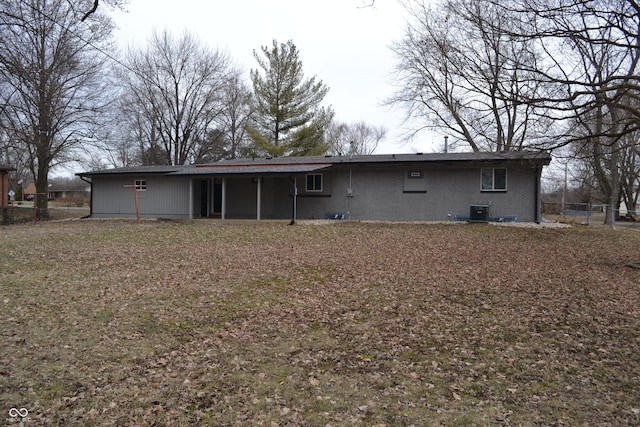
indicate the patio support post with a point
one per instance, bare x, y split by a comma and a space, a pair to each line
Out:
223, 196
259, 197
538, 196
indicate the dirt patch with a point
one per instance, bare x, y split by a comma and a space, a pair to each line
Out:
213, 323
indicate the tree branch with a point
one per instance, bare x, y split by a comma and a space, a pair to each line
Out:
89, 13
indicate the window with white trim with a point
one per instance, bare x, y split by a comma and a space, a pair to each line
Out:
493, 179
141, 184
314, 183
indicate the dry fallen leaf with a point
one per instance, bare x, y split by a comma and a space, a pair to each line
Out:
220, 323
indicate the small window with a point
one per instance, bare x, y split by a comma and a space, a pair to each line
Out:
414, 182
314, 182
494, 179
141, 184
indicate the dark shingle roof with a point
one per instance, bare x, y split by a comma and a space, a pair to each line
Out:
313, 163
133, 170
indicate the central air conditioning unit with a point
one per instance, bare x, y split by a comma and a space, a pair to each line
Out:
479, 213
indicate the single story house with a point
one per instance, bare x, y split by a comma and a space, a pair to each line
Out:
60, 189
30, 191
64, 189
399, 187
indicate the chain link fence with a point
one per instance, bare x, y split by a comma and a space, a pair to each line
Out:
583, 213
23, 212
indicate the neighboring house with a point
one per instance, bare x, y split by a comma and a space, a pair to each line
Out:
400, 187
30, 191
67, 190
4, 185
61, 190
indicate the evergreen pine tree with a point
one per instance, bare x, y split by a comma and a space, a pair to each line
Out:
287, 117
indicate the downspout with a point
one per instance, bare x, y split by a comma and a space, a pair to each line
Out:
191, 198
90, 197
294, 201
350, 196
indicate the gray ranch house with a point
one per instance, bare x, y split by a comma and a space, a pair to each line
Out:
399, 187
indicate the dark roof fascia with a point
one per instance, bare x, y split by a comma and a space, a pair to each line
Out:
444, 158
448, 158
251, 169
528, 160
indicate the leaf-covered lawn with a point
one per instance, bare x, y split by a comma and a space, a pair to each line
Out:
210, 323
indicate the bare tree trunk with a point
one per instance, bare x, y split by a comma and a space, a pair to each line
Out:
42, 186
614, 192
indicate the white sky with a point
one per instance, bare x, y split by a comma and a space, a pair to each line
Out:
340, 42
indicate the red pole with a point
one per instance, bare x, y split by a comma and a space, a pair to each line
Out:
135, 198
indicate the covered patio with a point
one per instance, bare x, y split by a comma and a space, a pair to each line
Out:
247, 191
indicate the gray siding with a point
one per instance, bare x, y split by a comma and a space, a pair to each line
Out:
165, 197
389, 195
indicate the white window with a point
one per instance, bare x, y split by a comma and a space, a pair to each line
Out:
314, 182
141, 184
494, 179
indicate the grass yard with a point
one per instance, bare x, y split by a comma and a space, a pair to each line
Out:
24, 213
264, 324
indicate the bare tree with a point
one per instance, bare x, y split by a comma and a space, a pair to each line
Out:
461, 70
235, 115
355, 138
11, 153
597, 79
591, 52
51, 80
92, 7
174, 86
630, 173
